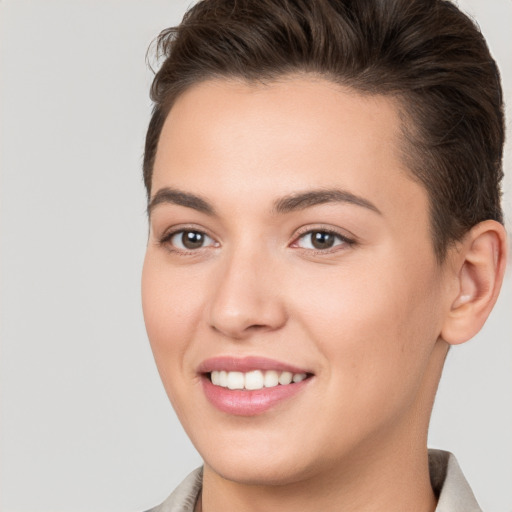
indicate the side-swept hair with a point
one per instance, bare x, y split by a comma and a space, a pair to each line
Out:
426, 54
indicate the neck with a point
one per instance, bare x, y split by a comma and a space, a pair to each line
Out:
398, 485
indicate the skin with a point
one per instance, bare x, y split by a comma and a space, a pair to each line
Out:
372, 319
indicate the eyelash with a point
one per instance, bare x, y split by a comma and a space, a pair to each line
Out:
168, 236
348, 242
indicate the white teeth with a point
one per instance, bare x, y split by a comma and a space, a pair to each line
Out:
285, 378
255, 379
271, 379
236, 380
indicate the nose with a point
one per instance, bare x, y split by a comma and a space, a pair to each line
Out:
248, 297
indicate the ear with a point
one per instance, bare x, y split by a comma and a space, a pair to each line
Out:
479, 265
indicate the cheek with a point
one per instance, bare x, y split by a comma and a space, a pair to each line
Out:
375, 327
171, 307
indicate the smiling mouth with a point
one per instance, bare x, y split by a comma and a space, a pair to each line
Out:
248, 386
255, 379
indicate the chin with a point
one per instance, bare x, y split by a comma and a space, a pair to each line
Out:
261, 460
248, 472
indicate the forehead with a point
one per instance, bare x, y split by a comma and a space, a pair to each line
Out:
238, 140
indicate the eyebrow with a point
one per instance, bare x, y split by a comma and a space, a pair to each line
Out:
303, 200
174, 196
287, 204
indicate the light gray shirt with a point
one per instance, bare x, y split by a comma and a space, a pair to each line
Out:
447, 479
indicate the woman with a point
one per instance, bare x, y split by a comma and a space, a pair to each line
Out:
323, 185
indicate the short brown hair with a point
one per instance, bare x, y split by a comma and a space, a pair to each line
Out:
425, 53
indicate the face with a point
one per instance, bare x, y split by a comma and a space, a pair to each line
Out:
288, 242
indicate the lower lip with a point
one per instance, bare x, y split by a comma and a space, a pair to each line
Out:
249, 402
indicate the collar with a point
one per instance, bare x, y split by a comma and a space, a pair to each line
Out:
448, 482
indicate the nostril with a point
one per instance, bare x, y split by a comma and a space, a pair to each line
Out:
258, 327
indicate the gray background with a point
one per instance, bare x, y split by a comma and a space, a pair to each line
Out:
85, 423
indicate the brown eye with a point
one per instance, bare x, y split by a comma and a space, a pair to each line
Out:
187, 240
321, 240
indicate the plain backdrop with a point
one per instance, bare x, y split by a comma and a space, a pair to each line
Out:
85, 423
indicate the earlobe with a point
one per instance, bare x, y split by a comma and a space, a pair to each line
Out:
480, 265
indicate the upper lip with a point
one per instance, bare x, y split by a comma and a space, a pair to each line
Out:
246, 364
